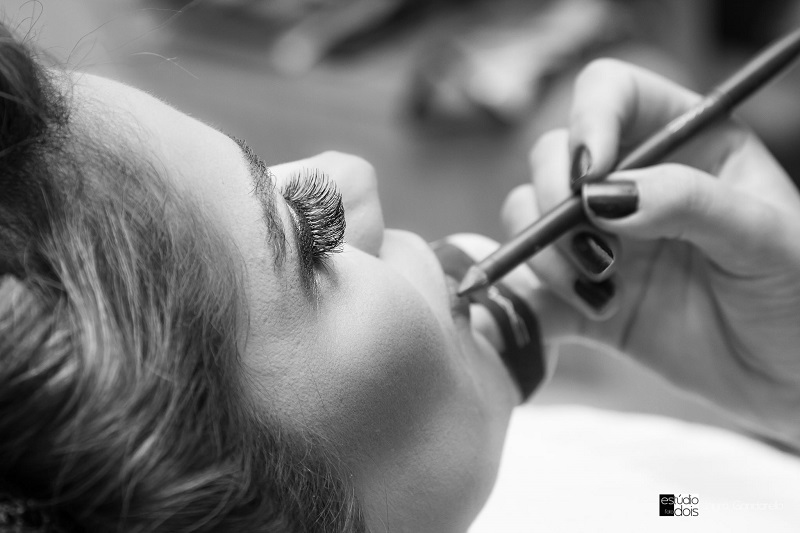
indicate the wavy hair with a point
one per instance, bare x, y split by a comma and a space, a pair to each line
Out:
123, 405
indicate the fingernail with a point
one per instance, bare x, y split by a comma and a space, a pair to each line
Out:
611, 199
593, 252
597, 295
581, 164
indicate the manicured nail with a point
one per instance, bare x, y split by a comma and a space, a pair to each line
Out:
593, 252
597, 295
611, 199
581, 164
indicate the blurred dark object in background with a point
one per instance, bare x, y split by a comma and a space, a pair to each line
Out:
297, 35
478, 62
751, 25
740, 28
496, 71
483, 66
347, 27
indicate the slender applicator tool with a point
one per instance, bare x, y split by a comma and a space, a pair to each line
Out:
569, 213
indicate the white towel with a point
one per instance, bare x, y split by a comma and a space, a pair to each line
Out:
578, 469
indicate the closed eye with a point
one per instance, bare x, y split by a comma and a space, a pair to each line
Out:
318, 216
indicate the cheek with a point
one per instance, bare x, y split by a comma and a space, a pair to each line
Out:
397, 405
386, 371
376, 375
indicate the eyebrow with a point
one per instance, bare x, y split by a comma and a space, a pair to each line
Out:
264, 191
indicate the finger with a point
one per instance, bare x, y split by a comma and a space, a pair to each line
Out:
594, 253
736, 230
615, 106
590, 251
594, 300
549, 166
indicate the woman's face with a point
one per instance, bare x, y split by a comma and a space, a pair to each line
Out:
367, 351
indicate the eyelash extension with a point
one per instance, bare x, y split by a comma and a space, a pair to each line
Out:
319, 212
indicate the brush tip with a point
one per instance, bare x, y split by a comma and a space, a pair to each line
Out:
474, 279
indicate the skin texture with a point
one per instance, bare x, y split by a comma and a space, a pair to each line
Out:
414, 398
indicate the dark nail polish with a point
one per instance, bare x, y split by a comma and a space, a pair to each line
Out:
581, 164
597, 295
611, 199
593, 252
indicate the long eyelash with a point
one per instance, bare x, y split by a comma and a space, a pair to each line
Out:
318, 205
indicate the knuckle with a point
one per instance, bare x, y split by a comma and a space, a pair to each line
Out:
672, 199
683, 190
519, 207
548, 142
691, 200
601, 69
518, 195
345, 168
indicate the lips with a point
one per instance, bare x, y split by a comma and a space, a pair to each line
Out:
520, 347
454, 263
459, 305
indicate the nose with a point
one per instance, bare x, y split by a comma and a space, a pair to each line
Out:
356, 180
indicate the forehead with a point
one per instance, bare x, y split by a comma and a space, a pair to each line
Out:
199, 160
189, 152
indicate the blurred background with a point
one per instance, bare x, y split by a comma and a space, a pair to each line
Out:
444, 97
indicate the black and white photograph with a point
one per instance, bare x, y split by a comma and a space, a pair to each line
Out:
399, 266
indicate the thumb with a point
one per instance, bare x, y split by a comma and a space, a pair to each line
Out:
733, 228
